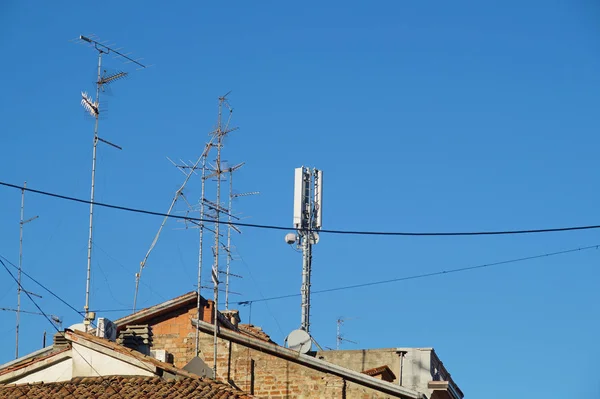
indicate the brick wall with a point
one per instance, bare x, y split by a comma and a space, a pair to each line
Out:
250, 370
174, 331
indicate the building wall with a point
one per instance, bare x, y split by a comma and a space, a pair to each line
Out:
265, 375
174, 332
416, 367
90, 363
252, 371
61, 371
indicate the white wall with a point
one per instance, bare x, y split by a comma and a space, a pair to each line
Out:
61, 371
89, 363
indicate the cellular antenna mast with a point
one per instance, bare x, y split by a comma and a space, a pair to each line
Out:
92, 106
308, 199
19, 289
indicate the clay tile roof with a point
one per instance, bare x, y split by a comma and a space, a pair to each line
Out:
123, 388
380, 370
255, 332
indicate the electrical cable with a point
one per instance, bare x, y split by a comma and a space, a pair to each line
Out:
424, 275
50, 321
44, 287
329, 231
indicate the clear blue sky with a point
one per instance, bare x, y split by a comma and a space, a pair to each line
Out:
425, 116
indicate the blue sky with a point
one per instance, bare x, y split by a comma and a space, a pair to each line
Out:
424, 116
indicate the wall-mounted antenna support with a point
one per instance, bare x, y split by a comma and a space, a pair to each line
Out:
308, 198
93, 108
19, 289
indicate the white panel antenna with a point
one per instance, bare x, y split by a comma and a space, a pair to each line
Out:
318, 200
298, 197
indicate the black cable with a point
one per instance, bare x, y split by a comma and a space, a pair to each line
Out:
273, 227
43, 286
29, 296
418, 276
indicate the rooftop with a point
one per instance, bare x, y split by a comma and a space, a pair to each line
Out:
123, 388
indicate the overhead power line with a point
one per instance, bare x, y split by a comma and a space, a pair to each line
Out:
424, 275
42, 286
273, 227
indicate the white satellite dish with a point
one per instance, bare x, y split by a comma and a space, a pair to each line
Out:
299, 341
78, 327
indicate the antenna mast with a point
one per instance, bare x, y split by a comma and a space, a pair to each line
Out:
22, 222
308, 198
339, 337
218, 135
230, 227
93, 107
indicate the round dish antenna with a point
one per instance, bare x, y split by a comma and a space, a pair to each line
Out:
299, 341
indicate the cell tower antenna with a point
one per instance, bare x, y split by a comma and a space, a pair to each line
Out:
308, 199
92, 106
22, 222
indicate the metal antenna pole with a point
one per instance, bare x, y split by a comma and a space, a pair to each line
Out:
215, 271
22, 222
338, 337
20, 267
93, 107
219, 133
201, 241
86, 308
228, 239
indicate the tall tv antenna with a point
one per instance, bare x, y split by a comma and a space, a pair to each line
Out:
92, 106
218, 137
22, 223
230, 227
308, 217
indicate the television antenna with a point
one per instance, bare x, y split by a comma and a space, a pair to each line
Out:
339, 337
22, 223
230, 227
92, 106
218, 135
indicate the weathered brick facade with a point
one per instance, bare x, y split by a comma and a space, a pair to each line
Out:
253, 371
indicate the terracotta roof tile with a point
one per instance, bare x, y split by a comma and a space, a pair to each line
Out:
123, 388
255, 332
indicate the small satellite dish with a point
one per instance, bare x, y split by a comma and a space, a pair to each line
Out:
78, 327
299, 341
290, 238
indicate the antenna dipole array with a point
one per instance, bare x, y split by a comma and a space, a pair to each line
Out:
92, 106
339, 337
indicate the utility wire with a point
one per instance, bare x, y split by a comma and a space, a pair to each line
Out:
53, 325
424, 275
29, 296
274, 227
43, 286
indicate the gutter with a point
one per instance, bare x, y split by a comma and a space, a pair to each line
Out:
311, 362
